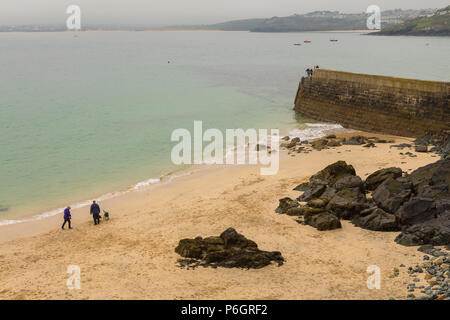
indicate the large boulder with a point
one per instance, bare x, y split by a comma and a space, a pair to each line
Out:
376, 219
322, 221
334, 172
230, 250
392, 193
431, 197
416, 210
327, 177
378, 177
432, 181
426, 216
285, 205
347, 203
435, 232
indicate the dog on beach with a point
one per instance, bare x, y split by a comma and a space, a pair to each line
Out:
106, 215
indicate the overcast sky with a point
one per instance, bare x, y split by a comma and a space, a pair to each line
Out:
169, 12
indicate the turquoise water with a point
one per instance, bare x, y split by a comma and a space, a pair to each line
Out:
86, 114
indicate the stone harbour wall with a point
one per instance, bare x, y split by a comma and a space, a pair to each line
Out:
405, 107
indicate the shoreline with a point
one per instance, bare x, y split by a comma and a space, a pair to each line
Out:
132, 255
309, 131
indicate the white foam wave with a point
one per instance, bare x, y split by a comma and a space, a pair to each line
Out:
145, 183
317, 130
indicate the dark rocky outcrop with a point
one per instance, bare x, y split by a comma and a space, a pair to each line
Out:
229, 250
332, 193
435, 232
426, 216
378, 177
376, 219
417, 204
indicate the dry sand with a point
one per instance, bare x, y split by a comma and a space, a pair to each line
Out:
132, 255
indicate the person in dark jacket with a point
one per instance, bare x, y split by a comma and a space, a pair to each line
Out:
67, 217
95, 211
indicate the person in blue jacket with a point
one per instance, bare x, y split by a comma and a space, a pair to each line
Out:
67, 217
95, 211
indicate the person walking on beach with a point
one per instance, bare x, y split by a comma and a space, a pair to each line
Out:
67, 217
95, 211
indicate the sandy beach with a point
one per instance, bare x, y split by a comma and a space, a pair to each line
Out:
132, 255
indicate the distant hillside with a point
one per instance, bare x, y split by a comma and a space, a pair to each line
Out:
392, 22
313, 21
437, 24
235, 25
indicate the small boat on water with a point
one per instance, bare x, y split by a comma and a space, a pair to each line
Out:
297, 44
307, 41
333, 40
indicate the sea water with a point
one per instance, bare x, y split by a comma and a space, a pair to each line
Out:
84, 114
